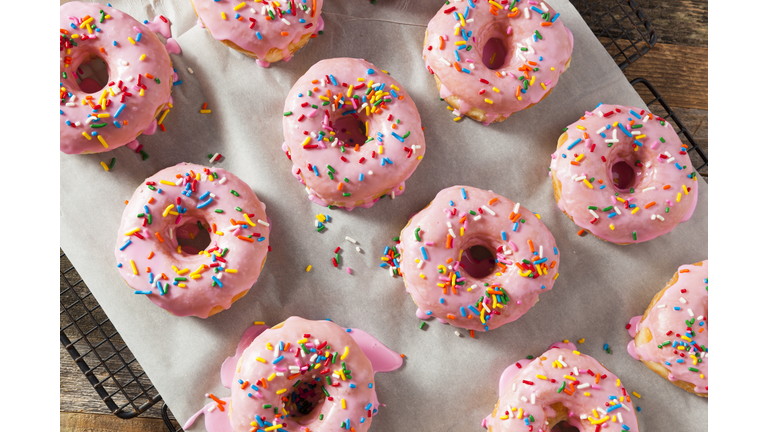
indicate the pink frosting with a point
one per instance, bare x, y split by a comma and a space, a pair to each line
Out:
650, 205
527, 258
255, 30
387, 155
542, 62
679, 327
580, 383
211, 278
132, 106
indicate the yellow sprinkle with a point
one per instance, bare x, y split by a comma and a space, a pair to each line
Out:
104, 143
343, 404
309, 267
635, 210
305, 340
230, 271
496, 90
162, 117
577, 352
132, 231
381, 149
106, 167
580, 127
565, 341
685, 189
133, 266
679, 195
346, 352
686, 338
259, 359
245, 215
271, 377
581, 340
182, 271
539, 376
504, 417
618, 382
586, 182
495, 4
587, 394
556, 275
580, 157
205, 111
636, 395
195, 276
640, 137
143, 56
488, 101
275, 427
238, 7
223, 16
131, 40
533, 78
181, 285
281, 391
612, 227
395, 87
86, 135
543, 86
141, 93
169, 183
568, 377
167, 210
421, 275
86, 22
258, 323
454, 119
459, 43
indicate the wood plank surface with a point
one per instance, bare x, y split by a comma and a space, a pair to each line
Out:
678, 22
76, 422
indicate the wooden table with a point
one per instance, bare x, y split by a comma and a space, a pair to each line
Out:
676, 66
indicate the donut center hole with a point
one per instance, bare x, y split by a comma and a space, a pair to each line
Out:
494, 53
92, 75
193, 237
478, 261
623, 175
350, 130
564, 426
302, 402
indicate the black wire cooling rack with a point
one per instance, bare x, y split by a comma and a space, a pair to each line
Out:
110, 367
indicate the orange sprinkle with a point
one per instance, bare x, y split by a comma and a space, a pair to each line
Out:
553, 264
580, 233
151, 254
666, 187
574, 163
216, 399
498, 74
530, 243
159, 237
163, 276
245, 384
449, 260
126, 202
245, 238
149, 270
493, 200
684, 271
284, 33
456, 65
650, 204
511, 215
150, 76
442, 43
357, 146
101, 49
341, 185
513, 14
517, 217
448, 241
232, 221
314, 81
472, 334
546, 24
451, 316
314, 8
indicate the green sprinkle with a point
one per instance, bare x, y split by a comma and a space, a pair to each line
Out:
346, 194
64, 75
562, 387
592, 208
98, 125
421, 326
406, 134
287, 113
144, 155
634, 235
609, 208
180, 279
693, 369
151, 187
234, 192
149, 219
112, 163
219, 211
662, 139
330, 168
346, 180
529, 357
523, 49
157, 80
416, 233
140, 215
238, 209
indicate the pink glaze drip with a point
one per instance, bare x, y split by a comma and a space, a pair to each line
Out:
198, 297
550, 55
433, 224
381, 359
649, 182
124, 65
516, 392
664, 319
151, 129
243, 33
400, 158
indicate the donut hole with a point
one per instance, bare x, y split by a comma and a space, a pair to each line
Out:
623, 174
304, 401
478, 261
564, 426
92, 75
494, 53
193, 237
350, 130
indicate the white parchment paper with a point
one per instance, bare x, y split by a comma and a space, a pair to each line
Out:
447, 383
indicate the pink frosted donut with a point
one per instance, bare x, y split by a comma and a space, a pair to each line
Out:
305, 376
442, 285
353, 133
672, 336
623, 175
182, 202
140, 78
490, 62
260, 29
561, 386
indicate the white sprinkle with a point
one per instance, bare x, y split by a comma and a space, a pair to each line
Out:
71, 104
478, 217
575, 371
602, 129
489, 210
594, 214
486, 308
646, 118
653, 217
618, 414
649, 188
660, 218
617, 210
583, 416
602, 411
683, 300
612, 140
450, 231
357, 248
514, 388
524, 399
670, 160
544, 7
690, 312
661, 306
393, 194
533, 398
457, 333
445, 61
213, 407
215, 155
577, 179
636, 133
350, 239
262, 222
286, 21
581, 386
527, 13
222, 180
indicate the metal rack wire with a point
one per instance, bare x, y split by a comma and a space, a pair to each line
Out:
110, 367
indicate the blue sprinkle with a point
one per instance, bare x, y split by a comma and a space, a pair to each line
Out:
504, 235
543, 260
677, 165
456, 53
611, 215
333, 80
204, 196
463, 311
277, 360
465, 70
474, 310
573, 144
177, 82
634, 114
217, 282
543, 287
602, 187
314, 167
442, 300
638, 143
424, 253
142, 292
117, 124
535, 9
624, 130
514, 227
254, 387
114, 43
260, 239
203, 204
370, 385
399, 138
555, 251
126, 245
119, 110
352, 386
371, 71
471, 3
555, 17
677, 308
258, 35
302, 20
119, 265
463, 193
360, 178
138, 37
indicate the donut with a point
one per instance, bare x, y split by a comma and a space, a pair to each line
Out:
671, 337
561, 387
362, 145
95, 119
265, 32
492, 60
154, 254
303, 376
622, 174
432, 245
